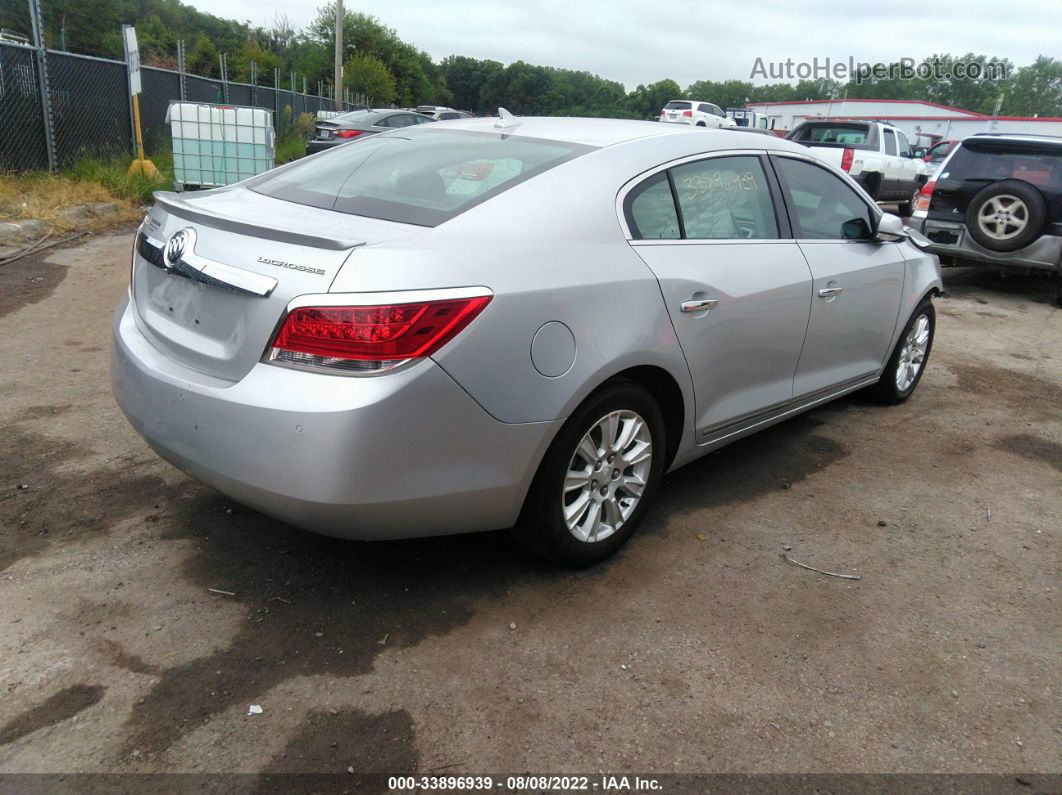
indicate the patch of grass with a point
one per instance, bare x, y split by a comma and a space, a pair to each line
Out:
292, 144
113, 175
87, 181
290, 147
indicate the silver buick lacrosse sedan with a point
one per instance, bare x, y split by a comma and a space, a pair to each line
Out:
514, 322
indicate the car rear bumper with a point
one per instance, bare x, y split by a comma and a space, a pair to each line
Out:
315, 145
951, 239
401, 455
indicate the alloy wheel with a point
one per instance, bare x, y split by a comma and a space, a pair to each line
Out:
1003, 217
607, 476
913, 353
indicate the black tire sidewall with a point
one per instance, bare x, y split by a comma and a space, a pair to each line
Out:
886, 387
872, 185
1033, 199
541, 524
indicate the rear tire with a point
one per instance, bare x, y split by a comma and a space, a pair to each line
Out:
591, 492
905, 208
872, 184
1006, 215
701, 124
909, 358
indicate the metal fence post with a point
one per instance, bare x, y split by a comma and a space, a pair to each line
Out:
276, 99
180, 68
224, 79
42, 77
254, 82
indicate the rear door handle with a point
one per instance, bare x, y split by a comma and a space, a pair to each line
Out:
829, 292
700, 305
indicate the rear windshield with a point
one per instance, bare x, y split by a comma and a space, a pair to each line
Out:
678, 106
355, 115
832, 133
974, 160
419, 176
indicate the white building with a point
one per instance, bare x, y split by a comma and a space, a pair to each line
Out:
924, 122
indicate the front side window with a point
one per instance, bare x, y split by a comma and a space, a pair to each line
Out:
903, 148
890, 142
422, 176
821, 205
725, 198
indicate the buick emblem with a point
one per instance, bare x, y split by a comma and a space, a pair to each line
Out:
181, 242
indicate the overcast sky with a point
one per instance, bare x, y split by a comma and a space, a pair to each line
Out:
641, 41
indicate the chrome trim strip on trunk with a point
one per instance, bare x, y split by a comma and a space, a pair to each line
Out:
190, 265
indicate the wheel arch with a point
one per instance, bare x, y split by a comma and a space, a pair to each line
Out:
667, 392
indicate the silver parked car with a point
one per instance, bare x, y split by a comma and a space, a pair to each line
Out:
508, 322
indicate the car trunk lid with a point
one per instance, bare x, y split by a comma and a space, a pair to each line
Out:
214, 306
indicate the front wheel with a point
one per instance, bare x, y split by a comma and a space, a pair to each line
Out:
908, 361
597, 479
905, 208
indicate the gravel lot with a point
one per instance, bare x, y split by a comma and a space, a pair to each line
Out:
698, 649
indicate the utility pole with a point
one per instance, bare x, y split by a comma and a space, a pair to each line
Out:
339, 53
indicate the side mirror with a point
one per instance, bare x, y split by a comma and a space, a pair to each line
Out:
918, 152
890, 229
856, 229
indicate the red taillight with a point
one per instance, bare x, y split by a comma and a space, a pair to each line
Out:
348, 133
846, 159
925, 196
377, 337
688, 113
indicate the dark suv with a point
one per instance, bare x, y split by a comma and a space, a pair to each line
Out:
997, 199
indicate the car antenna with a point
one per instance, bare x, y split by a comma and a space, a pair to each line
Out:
506, 119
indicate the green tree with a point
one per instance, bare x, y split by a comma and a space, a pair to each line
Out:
368, 76
645, 102
202, 57
1035, 89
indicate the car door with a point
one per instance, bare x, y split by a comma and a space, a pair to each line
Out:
892, 172
735, 283
857, 280
908, 165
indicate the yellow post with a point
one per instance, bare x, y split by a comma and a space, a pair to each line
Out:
140, 165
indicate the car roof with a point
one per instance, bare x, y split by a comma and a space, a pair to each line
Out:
1017, 137
587, 131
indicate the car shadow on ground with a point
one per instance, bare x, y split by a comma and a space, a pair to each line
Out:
980, 284
318, 605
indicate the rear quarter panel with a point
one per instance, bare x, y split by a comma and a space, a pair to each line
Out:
551, 249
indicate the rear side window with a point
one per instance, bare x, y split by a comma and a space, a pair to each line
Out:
832, 133
1037, 168
678, 106
719, 198
725, 198
651, 211
821, 205
422, 175
890, 142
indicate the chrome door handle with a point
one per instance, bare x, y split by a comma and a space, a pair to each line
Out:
829, 292
700, 305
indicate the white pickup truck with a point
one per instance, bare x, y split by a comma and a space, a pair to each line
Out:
875, 154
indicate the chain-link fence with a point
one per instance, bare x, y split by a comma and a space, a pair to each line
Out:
87, 99
22, 141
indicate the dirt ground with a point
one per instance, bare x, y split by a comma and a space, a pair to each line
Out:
697, 649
